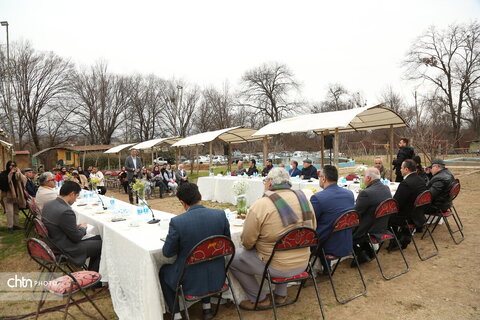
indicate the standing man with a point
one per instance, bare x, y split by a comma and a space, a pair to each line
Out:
181, 174
405, 152
185, 231
64, 231
12, 194
133, 165
308, 171
31, 187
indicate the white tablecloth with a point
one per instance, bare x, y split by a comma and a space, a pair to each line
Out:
132, 256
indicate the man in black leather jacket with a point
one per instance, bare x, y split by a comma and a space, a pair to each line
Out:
440, 185
405, 152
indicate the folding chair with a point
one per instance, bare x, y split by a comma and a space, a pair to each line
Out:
346, 221
209, 249
435, 218
453, 194
422, 200
386, 208
65, 286
300, 237
33, 212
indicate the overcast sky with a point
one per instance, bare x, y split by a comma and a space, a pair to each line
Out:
358, 43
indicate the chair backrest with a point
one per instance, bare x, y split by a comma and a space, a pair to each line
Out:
32, 205
454, 191
40, 252
40, 228
386, 208
346, 221
296, 238
423, 199
209, 249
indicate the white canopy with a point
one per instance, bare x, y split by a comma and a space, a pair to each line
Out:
5, 144
232, 135
357, 119
152, 143
119, 148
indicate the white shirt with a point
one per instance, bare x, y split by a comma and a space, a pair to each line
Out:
134, 162
44, 194
99, 177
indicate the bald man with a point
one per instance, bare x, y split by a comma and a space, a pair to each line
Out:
367, 202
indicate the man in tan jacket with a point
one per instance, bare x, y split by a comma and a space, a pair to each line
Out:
263, 227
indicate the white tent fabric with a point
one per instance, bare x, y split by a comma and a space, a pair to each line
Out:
119, 148
152, 143
357, 119
232, 135
5, 144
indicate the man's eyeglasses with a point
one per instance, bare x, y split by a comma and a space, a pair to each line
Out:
51, 180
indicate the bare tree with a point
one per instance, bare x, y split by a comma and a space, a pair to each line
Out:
393, 99
216, 111
39, 79
449, 60
266, 89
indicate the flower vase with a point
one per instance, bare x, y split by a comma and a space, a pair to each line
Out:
242, 206
94, 187
141, 195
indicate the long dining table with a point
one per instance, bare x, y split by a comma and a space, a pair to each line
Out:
132, 254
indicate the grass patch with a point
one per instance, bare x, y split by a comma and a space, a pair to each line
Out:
11, 244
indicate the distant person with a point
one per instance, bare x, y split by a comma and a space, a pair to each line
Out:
405, 152
170, 179
267, 168
379, 165
281, 165
65, 233
98, 175
367, 202
185, 231
420, 171
122, 176
80, 179
240, 169
253, 168
31, 187
62, 175
308, 171
12, 195
440, 185
46, 192
133, 165
181, 174
294, 171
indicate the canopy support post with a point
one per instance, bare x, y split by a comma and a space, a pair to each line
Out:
265, 150
391, 151
177, 156
152, 157
335, 148
198, 160
229, 165
83, 162
322, 148
119, 162
108, 161
210, 145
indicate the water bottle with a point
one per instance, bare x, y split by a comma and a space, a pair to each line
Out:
145, 212
112, 203
90, 196
139, 210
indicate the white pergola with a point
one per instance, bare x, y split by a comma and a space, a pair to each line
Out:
117, 150
357, 119
154, 143
231, 136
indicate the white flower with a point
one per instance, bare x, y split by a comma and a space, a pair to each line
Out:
360, 170
240, 187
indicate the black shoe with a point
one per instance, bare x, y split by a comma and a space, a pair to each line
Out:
17, 228
207, 314
393, 246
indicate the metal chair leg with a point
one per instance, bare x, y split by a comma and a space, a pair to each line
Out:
416, 247
452, 232
378, 260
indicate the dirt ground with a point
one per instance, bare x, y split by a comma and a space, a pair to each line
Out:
444, 287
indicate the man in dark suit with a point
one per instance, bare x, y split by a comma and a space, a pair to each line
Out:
408, 190
367, 202
440, 185
187, 230
64, 231
308, 171
404, 152
328, 205
133, 165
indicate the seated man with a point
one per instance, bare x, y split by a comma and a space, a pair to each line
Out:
31, 186
329, 204
64, 232
367, 202
46, 192
294, 171
185, 231
408, 190
440, 185
240, 169
262, 228
181, 174
98, 176
308, 171
267, 168
252, 169
379, 165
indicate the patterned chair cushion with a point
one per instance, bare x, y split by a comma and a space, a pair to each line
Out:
63, 285
301, 276
381, 237
222, 289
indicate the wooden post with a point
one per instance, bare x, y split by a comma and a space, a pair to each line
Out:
198, 160
391, 151
335, 148
265, 150
322, 148
211, 155
152, 158
108, 161
229, 165
83, 162
119, 162
177, 155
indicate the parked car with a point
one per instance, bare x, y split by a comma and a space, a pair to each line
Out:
160, 161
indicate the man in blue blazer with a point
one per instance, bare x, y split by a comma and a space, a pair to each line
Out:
294, 171
328, 205
185, 231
